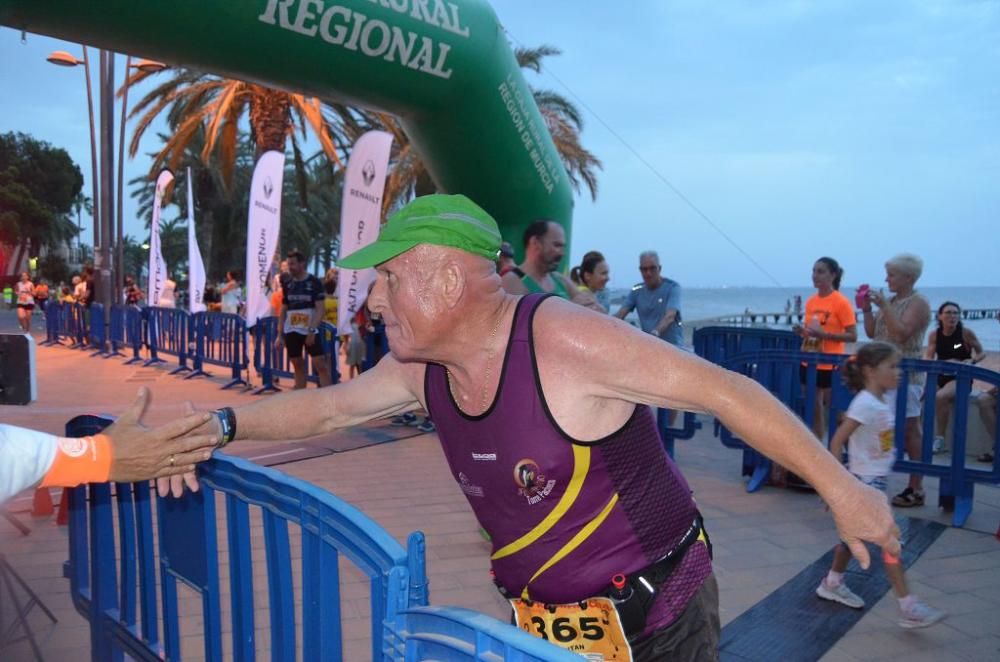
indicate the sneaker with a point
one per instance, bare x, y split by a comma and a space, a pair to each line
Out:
839, 593
908, 498
938, 446
427, 426
919, 615
408, 418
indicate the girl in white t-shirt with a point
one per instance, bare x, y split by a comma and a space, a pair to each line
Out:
868, 429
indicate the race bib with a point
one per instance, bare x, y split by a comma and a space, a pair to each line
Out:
298, 320
24, 298
591, 629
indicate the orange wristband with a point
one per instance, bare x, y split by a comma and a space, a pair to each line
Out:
889, 559
80, 460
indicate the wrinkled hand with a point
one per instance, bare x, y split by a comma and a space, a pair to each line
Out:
208, 426
141, 453
862, 513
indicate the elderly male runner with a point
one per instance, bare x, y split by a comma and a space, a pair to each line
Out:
543, 411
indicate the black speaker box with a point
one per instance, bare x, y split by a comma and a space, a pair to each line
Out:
17, 369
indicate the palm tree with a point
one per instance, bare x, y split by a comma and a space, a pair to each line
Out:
409, 175
199, 103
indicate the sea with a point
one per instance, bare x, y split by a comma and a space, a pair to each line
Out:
698, 305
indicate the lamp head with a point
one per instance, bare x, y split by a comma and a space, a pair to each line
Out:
63, 59
149, 66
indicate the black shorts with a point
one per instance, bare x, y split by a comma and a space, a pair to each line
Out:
693, 636
294, 342
824, 378
26, 306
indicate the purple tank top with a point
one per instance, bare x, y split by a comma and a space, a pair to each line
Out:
564, 515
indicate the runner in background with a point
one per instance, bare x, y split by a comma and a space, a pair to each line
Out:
302, 310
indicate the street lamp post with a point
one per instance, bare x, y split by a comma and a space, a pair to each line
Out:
64, 59
106, 231
148, 66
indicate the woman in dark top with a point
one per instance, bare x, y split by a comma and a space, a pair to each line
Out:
950, 341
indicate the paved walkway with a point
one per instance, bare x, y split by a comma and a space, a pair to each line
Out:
761, 540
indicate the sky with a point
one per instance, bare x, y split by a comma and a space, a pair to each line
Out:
740, 140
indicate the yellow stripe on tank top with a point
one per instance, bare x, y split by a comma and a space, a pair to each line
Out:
575, 542
581, 465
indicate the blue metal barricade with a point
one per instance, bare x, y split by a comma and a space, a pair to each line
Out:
98, 330
270, 361
75, 321
219, 339
717, 343
167, 331
118, 523
124, 570
54, 312
116, 331
265, 357
778, 371
135, 332
376, 346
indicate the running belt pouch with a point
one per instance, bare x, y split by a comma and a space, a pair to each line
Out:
635, 610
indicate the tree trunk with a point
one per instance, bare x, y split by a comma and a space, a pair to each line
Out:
270, 117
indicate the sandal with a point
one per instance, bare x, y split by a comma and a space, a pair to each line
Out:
985, 457
908, 498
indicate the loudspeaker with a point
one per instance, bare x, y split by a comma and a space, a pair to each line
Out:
17, 369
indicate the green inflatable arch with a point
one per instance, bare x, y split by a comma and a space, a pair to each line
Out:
443, 67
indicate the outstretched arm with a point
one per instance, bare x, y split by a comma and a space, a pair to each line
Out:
627, 365
388, 388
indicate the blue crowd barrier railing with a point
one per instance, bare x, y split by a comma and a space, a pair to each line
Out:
669, 434
135, 332
53, 323
717, 343
376, 346
778, 371
75, 321
117, 521
98, 330
270, 361
167, 331
265, 358
219, 339
116, 331
331, 348
125, 564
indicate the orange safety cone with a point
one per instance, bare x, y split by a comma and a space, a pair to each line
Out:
62, 519
41, 505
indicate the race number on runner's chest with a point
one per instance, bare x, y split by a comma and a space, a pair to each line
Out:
590, 628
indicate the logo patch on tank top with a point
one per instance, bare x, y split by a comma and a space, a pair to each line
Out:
468, 487
531, 482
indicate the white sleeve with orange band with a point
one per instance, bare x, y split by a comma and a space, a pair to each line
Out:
29, 456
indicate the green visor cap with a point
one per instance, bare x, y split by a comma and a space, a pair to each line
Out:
441, 220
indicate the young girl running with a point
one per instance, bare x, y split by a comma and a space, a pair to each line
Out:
870, 424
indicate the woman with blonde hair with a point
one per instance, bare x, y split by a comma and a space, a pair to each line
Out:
902, 320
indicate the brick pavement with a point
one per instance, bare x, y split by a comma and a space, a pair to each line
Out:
761, 540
